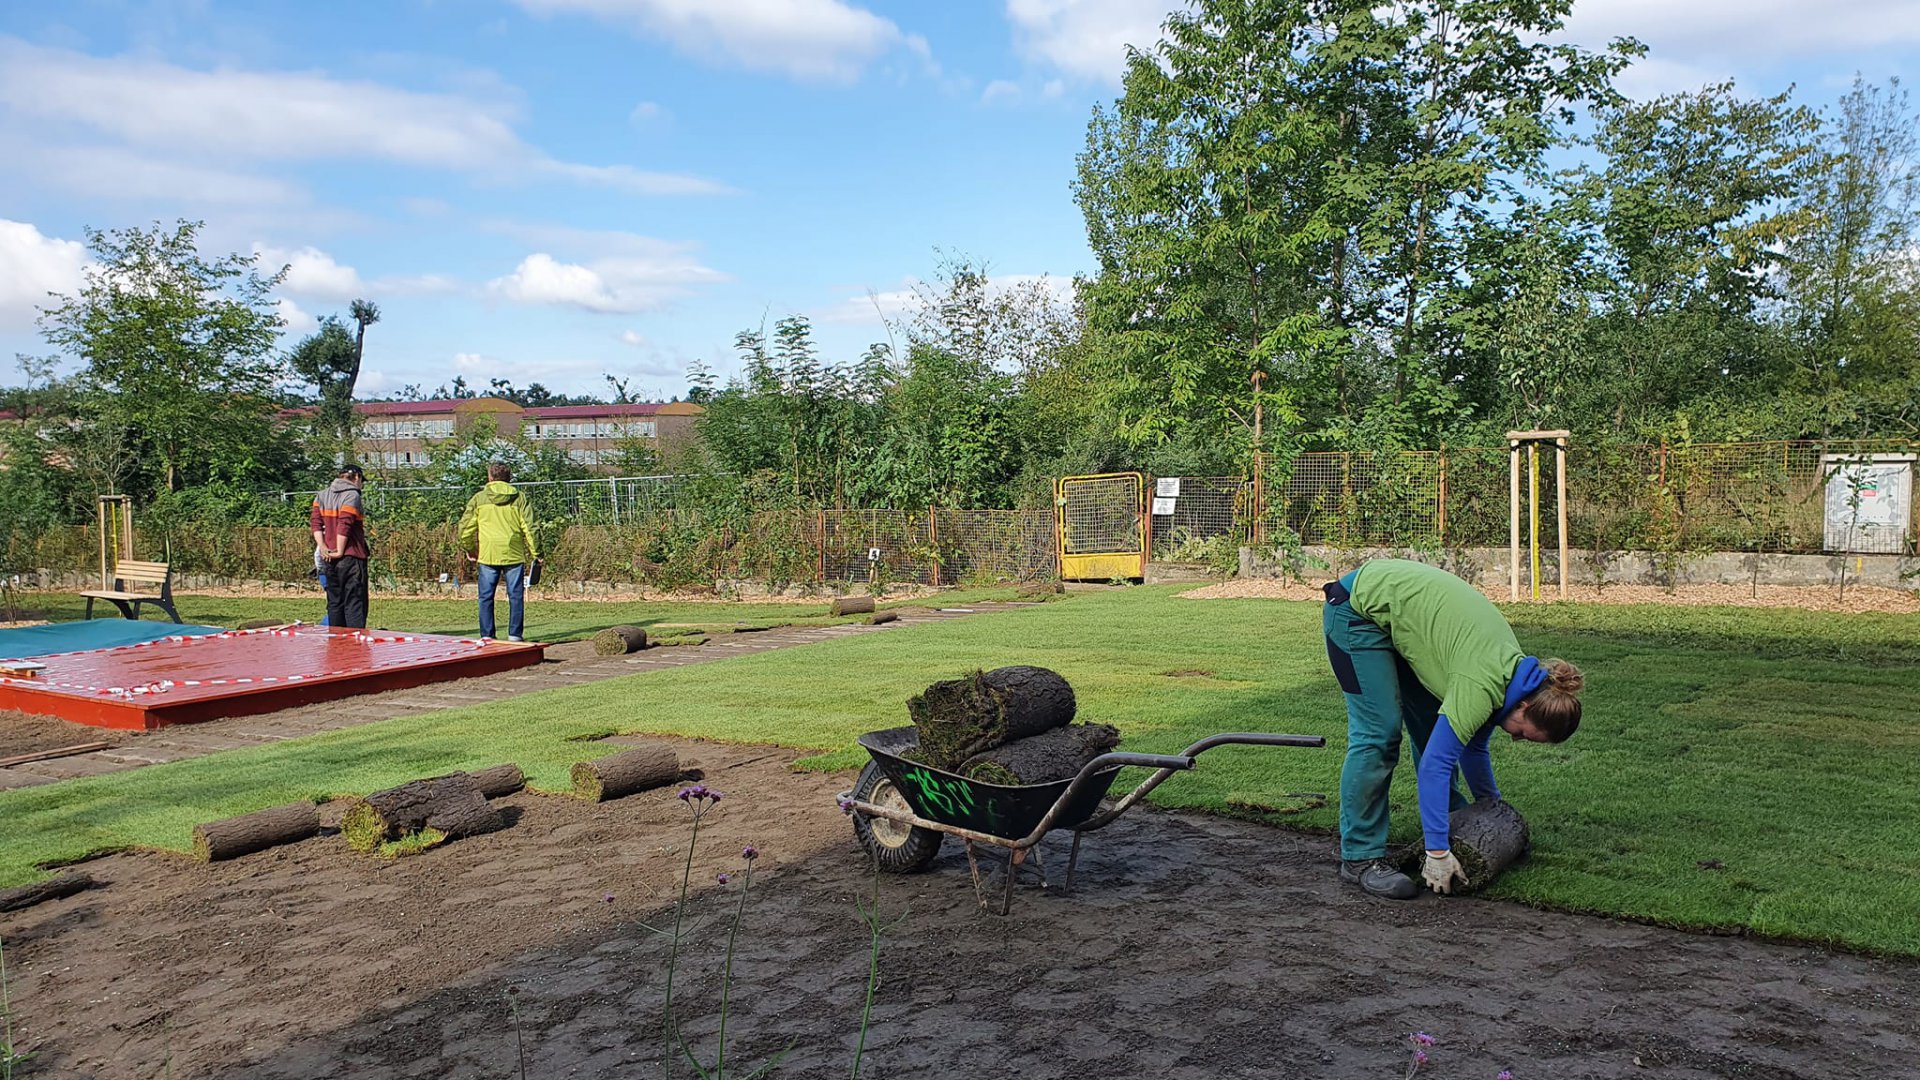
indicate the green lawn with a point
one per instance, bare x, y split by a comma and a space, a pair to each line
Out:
549, 620
1779, 748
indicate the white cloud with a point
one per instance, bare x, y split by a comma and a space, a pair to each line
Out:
298, 323
1086, 39
633, 338
113, 172
999, 90
472, 361
1751, 30
312, 273
188, 117
873, 307
614, 285
807, 39
32, 265
648, 112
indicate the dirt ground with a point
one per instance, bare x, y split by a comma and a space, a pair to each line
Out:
1804, 597
1192, 947
23, 733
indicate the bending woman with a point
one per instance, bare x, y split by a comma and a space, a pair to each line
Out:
1415, 646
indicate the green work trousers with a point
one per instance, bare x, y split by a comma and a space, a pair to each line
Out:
1383, 695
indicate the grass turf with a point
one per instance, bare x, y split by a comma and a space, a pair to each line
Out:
550, 621
1737, 769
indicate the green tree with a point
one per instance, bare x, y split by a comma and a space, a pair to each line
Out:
1852, 271
1693, 206
1297, 187
179, 347
328, 360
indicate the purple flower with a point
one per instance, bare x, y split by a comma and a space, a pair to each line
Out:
698, 792
712, 794
1421, 1038
723, 878
608, 898
1505, 1074
749, 853
1419, 1057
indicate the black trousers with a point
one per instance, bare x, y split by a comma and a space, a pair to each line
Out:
347, 592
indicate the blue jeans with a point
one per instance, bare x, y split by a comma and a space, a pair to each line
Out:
516, 578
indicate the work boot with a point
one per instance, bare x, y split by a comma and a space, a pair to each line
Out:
1378, 877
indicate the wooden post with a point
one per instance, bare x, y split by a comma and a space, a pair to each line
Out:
1259, 530
822, 533
1513, 520
933, 544
1560, 495
1440, 510
1533, 521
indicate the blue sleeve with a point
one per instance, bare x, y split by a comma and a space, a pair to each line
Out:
1442, 755
1476, 764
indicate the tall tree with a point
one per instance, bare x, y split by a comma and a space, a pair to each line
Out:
1288, 186
180, 347
1852, 270
327, 358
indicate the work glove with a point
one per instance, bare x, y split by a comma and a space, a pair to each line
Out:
1442, 871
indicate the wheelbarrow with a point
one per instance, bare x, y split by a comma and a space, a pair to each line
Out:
903, 810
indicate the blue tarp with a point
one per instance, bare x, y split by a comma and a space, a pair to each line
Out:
89, 634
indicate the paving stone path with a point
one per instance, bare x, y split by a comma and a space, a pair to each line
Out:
566, 664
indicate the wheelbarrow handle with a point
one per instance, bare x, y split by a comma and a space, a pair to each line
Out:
1184, 762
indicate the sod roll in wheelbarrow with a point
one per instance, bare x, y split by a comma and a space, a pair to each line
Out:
1059, 754
1487, 837
959, 718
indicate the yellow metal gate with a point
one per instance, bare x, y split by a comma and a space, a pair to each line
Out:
1102, 526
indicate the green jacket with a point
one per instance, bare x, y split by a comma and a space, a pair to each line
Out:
498, 526
1457, 643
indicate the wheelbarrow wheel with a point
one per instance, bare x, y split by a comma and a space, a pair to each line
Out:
893, 846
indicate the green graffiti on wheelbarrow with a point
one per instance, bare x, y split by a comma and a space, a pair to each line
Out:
951, 800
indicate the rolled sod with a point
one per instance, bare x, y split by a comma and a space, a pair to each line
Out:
852, 605
451, 805
879, 617
51, 889
230, 838
625, 773
499, 780
1487, 837
959, 718
1059, 754
619, 640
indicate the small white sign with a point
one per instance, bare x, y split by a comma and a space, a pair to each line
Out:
1167, 487
873, 554
444, 578
1163, 507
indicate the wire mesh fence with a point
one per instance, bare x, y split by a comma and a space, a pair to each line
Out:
1771, 497
1192, 514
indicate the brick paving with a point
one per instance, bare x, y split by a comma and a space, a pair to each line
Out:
568, 664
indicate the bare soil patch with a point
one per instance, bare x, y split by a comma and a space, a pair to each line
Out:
24, 733
1804, 597
1193, 947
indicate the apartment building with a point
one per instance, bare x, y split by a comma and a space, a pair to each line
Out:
401, 434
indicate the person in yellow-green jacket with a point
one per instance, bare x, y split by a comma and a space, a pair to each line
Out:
496, 531
1412, 645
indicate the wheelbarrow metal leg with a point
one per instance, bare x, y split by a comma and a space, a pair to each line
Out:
1018, 856
973, 864
1073, 860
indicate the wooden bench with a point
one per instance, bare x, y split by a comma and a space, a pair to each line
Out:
127, 575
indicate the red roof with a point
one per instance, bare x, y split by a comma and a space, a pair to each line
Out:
568, 412
403, 408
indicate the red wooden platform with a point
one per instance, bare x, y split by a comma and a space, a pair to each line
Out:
184, 680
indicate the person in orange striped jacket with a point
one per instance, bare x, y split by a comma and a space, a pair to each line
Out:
340, 536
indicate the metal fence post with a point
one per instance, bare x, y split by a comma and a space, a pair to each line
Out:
933, 546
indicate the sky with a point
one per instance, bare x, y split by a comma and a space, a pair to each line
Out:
549, 190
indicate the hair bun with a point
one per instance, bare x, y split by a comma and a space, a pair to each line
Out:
1564, 677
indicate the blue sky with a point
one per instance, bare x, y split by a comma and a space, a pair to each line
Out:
545, 190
